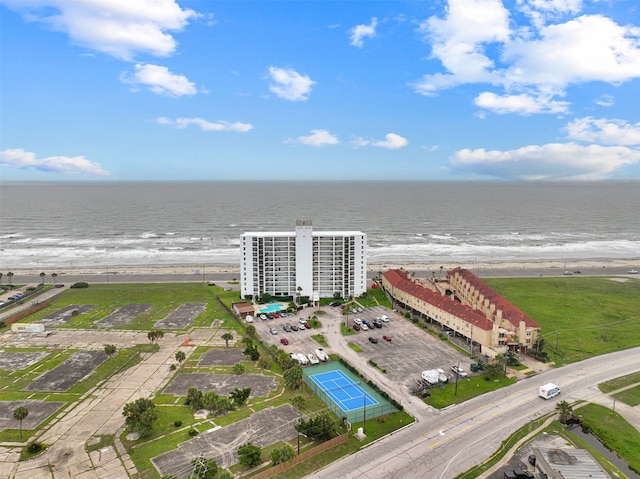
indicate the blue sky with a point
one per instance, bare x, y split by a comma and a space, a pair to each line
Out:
521, 90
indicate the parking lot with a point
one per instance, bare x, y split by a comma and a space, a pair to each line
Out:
410, 351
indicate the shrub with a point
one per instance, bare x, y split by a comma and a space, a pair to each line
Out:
193, 432
177, 423
80, 285
35, 447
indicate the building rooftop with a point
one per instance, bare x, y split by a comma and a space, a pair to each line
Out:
400, 279
509, 311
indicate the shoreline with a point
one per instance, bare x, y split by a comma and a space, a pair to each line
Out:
555, 266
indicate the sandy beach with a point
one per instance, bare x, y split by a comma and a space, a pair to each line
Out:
232, 271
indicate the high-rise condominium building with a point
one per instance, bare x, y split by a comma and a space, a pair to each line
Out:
305, 262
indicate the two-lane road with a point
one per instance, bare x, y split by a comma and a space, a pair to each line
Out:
449, 442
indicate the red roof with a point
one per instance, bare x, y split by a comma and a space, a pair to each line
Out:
400, 279
509, 311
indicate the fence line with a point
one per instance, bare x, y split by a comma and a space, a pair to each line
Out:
314, 451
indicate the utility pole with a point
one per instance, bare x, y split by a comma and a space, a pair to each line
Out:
456, 389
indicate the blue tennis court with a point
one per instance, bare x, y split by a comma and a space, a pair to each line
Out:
342, 390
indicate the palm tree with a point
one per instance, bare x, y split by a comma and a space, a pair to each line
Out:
293, 377
42, 275
227, 337
565, 411
20, 413
54, 276
10, 275
1, 275
180, 356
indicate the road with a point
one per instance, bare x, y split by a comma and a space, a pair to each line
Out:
446, 443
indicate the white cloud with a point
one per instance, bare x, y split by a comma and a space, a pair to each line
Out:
319, 138
289, 84
119, 28
550, 162
391, 142
18, 158
159, 80
206, 125
602, 130
605, 100
475, 44
524, 103
359, 32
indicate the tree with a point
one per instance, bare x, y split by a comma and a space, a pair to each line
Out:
264, 363
252, 352
194, 398
1, 275
42, 275
54, 276
110, 349
238, 368
298, 402
227, 337
204, 468
250, 455
9, 276
321, 427
247, 341
240, 396
180, 356
140, 416
155, 335
281, 455
19, 414
565, 411
493, 369
251, 331
293, 377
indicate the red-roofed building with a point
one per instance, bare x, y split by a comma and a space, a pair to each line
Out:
466, 319
516, 328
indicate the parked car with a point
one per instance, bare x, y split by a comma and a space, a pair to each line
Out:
59, 285
356, 327
459, 371
263, 317
373, 340
276, 315
284, 341
384, 319
322, 356
632, 271
386, 338
377, 324
274, 331
364, 327
249, 319
302, 320
286, 328
294, 327
357, 320
307, 325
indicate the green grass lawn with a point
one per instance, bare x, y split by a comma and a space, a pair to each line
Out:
613, 431
586, 316
618, 383
163, 297
449, 394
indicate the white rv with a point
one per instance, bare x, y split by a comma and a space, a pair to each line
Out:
548, 391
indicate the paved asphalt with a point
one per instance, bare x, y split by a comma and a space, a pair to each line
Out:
446, 443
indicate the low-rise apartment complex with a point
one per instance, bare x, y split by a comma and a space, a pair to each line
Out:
303, 262
468, 308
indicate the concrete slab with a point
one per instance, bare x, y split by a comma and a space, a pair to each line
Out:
222, 384
182, 317
74, 369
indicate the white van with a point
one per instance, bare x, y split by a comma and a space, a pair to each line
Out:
384, 318
249, 319
548, 391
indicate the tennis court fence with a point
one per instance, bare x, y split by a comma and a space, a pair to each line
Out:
356, 415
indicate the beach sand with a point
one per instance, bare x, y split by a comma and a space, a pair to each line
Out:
556, 267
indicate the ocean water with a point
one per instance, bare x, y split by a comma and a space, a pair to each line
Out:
55, 225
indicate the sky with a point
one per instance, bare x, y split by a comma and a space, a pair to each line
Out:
457, 90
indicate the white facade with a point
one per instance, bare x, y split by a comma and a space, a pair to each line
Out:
319, 263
